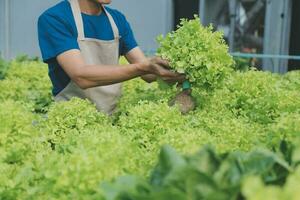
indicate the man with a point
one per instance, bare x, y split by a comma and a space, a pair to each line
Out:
81, 41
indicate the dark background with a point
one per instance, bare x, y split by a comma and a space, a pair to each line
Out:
295, 35
185, 9
188, 8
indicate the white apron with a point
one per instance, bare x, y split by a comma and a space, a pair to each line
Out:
95, 52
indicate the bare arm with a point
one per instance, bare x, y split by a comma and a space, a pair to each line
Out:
88, 76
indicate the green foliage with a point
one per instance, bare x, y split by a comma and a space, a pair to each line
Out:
292, 79
242, 64
78, 173
16, 133
27, 82
3, 68
66, 155
72, 117
286, 128
255, 189
19, 144
253, 95
198, 52
147, 123
220, 128
150, 125
205, 175
138, 90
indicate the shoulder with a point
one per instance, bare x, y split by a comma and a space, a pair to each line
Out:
59, 12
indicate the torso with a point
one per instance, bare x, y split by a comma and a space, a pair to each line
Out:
97, 27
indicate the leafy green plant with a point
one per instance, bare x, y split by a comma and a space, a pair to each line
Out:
72, 117
16, 132
255, 189
66, 155
198, 52
27, 82
254, 95
3, 68
204, 175
242, 64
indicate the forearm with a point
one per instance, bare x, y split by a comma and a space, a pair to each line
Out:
93, 75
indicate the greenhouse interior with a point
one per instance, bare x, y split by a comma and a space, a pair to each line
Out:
149, 100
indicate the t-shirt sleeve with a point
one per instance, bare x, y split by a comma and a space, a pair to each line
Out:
128, 41
55, 37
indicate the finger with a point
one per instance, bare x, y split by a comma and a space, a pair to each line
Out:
162, 62
165, 72
181, 78
177, 79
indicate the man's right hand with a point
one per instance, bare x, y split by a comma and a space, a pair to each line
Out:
160, 68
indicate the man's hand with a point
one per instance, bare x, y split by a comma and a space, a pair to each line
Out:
157, 66
169, 80
161, 68
173, 80
154, 67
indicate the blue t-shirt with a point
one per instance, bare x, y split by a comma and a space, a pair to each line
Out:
58, 33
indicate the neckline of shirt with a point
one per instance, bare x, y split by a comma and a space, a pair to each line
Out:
88, 15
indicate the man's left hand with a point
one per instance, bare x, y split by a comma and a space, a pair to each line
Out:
173, 80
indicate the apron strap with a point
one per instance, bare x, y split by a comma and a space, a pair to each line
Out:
78, 18
79, 22
112, 23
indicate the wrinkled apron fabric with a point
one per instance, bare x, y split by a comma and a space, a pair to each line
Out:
95, 52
